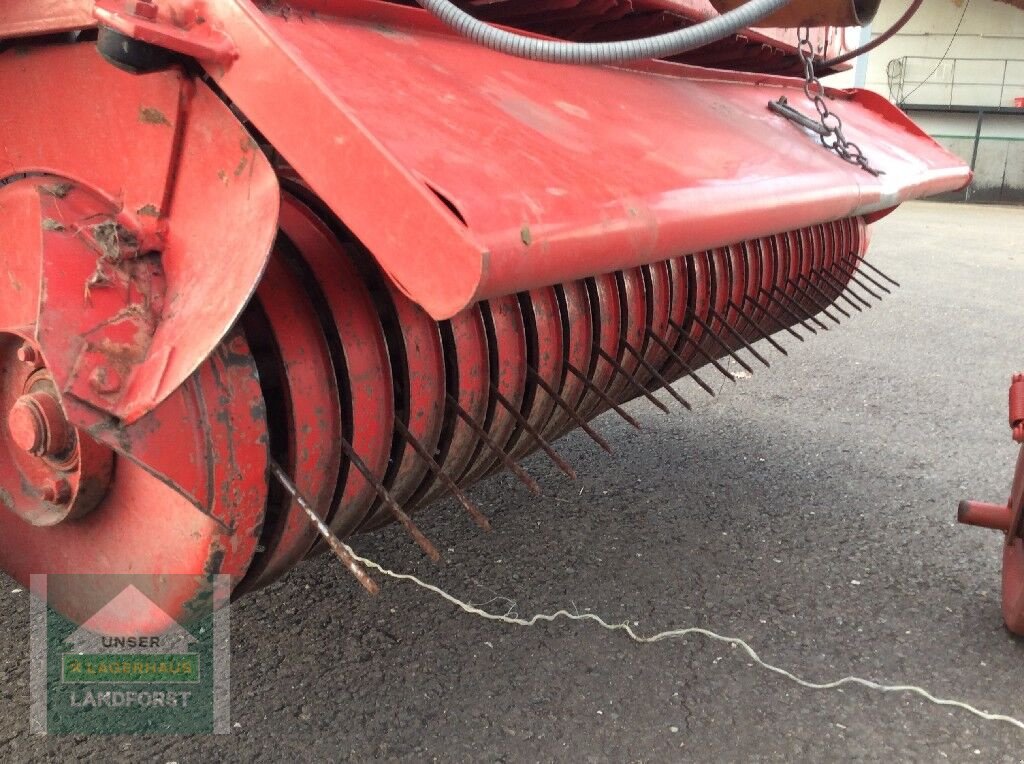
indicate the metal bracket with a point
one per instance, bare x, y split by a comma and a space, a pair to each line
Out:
187, 33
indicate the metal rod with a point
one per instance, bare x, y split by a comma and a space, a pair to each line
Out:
657, 375
602, 395
885, 276
561, 463
822, 308
707, 357
852, 272
683, 365
750, 348
788, 312
815, 319
830, 301
778, 322
843, 289
764, 335
417, 535
339, 549
619, 368
507, 460
564, 405
706, 327
478, 517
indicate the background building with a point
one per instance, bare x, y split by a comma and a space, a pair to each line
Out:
958, 69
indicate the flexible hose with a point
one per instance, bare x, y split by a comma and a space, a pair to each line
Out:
565, 52
884, 37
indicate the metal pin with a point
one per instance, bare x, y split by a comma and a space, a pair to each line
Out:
697, 346
788, 312
564, 405
791, 330
849, 270
823, 308
740, 337
843, 289
657, 375
682, 364
602, 395
830, 301
417, 535
803, 322
478, 517
333, 541
561, 463
885, 276
619, 368
706, 327
507, 460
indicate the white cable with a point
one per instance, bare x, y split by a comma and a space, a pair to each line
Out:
678, 633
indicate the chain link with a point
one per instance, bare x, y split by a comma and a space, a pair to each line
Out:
831, 132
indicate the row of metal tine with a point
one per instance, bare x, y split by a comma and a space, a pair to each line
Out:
871, 282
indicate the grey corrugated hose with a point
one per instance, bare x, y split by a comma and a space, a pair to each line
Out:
565, 52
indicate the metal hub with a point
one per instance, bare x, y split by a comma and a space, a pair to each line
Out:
49, 474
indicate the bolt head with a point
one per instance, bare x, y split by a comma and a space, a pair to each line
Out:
145, 9
27, 354
57, 491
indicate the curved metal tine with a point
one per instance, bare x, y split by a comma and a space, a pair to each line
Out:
478, 517
843, 289
750, 348
790, 329
559, 462
564, 405
602, 395
823, 308
632, 380
881, 273
417, 535
707, 357
507, 460
657, 375
764, 335
704, 325
796, 316
834, 301
350, 563
682, 364
853, 273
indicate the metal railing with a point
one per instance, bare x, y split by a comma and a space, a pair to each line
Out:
1007, 79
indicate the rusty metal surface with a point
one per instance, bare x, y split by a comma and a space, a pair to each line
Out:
170, 152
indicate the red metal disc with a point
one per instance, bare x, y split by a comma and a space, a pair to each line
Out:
422, 391
701, 278
680, 293
633, 299
545, 333
360, 356
468, 371
607, 312
659, 302
1013, 555
578, 330
146, 523
506, 340
302, 392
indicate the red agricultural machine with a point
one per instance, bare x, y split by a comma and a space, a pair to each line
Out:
270, 269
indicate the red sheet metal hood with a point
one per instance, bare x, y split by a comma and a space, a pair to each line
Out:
470, 174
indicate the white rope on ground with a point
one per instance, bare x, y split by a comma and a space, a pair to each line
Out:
679, 633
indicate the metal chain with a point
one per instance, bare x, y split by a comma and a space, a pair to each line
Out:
831, 126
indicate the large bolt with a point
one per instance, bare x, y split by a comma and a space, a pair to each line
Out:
37, 425
27, 354
57, 491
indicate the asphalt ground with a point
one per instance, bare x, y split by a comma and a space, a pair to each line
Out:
809, 509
